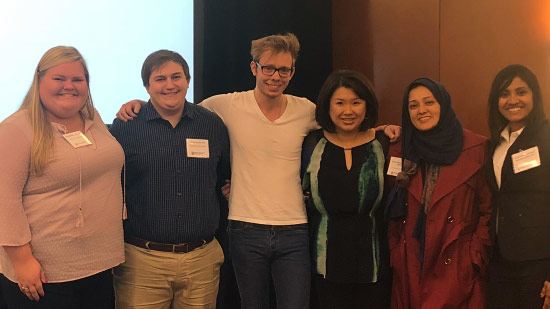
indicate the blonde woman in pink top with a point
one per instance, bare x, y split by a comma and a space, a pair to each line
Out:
60, 198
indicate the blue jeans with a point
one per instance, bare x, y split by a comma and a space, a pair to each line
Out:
281, 252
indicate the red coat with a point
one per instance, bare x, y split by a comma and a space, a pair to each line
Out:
457, 236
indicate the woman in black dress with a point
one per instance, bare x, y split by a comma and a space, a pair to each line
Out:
344, 175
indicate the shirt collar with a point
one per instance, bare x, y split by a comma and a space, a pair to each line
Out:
150, 113
507, 136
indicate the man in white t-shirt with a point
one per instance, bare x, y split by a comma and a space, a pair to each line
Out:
268, 233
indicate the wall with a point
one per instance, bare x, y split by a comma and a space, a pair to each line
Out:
461, 43
224, 30
351, 48
479, 38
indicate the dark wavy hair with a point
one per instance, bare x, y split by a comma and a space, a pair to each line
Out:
352, 80
502, 80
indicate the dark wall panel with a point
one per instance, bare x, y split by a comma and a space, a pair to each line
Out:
461, 43
477, 43
223, 44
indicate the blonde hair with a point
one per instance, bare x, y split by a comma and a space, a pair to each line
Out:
277, 43
42, 144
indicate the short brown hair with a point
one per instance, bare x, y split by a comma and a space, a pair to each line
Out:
277, 43
159, 58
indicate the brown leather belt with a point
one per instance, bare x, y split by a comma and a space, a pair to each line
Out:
174, 248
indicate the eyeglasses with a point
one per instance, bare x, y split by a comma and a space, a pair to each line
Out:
269, 70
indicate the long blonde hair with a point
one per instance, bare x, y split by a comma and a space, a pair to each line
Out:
42, 144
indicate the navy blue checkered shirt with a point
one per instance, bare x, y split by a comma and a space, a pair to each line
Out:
170, 197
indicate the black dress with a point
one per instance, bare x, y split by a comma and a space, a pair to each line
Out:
348, 233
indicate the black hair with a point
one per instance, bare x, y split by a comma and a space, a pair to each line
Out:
502, 80
352, 80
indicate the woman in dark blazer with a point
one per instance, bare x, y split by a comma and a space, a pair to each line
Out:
518, 175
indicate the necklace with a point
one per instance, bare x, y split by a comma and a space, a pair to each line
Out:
270, 113
282, 107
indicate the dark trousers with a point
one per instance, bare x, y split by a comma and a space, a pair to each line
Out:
2, 302
228, 293
515, 285
261, 253
333, 295
92, 292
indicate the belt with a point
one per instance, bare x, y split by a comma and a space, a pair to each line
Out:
241, 224
174, 248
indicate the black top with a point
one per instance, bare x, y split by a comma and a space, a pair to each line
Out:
349, 202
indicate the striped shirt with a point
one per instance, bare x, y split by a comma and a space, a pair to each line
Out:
171, 196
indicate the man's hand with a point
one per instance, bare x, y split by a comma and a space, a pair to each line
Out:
391, 131
129, 110
545, 293
226, 189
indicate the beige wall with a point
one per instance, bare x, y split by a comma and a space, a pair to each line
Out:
461, 43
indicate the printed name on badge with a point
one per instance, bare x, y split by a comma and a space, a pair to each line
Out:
395, 166
197, 148
77, 139
526, 160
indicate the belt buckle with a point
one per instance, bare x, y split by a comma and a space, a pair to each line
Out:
147, 245
186, 245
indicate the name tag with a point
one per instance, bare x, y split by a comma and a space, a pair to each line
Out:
394, 167
526, 160
77, 139
197, 148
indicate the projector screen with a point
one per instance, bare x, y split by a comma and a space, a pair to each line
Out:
114, 37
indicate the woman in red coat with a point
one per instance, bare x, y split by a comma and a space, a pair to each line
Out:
440, 206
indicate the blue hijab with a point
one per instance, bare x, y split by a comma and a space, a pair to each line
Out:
440, 145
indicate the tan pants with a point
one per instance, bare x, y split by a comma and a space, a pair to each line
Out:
165, 280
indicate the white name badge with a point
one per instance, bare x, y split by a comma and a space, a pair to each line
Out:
197, 148
526, 160
395, 166
77, 139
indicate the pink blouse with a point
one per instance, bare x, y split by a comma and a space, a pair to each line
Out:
72, 213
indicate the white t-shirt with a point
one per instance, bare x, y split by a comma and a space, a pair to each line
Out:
265, 157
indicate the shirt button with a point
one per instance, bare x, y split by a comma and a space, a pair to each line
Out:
448, 261
179, 193
450, 219
404, 221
